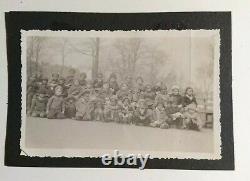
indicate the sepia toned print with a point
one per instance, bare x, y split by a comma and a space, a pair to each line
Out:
87, 93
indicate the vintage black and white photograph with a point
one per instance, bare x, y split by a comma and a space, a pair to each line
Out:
88, 93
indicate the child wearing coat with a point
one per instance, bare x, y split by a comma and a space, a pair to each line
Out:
161, 118
39, 103
189, 97
141, 116
191, 118
111, 110
70, 108
56, 106
83, 109
126, 111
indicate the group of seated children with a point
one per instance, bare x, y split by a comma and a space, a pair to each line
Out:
139, 104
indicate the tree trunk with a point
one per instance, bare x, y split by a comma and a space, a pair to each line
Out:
95, 62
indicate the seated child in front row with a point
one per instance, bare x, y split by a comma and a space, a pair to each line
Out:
98, 110
191, 118
38, 105
70, 108
126, 112
161, 118
111, 110
83, 111
141, 116
56, 106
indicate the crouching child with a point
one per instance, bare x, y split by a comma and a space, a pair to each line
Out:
56, 106
141, 116
38, 105
125, 115
191, 118
98, 110
111, 110
70, 108
161, 118
83, 109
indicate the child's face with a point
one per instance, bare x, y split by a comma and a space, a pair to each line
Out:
112, 79
112, 101
190, 92
76, 82
124, 87
157, 92
61, 81
100, 77
105, 86
142, 109
160, 107
58, 92
175, 92
82, 99
148, 89
44, 82
55, 76
139, 82
126, 102
41, 96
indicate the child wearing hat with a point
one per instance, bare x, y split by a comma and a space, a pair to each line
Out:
56, 107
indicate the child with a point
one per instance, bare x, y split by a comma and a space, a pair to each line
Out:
125, 114
149, 93
32, 88
83, 111
139, 84
75, 89
105, 91
53, 81
189, 97
82, 79
176, 97
111, 110
70, 108
98, 82
69, 81
39, 103
160, 117
129, 82
56, 106
191, 118
44, 86
98, 110
113, 85
141, 117
174, 113
123, 92
61, 82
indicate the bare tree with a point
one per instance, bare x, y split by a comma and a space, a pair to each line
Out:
91, 48
130, 51
35, 47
